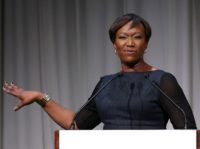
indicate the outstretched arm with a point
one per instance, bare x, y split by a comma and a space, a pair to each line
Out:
59, 114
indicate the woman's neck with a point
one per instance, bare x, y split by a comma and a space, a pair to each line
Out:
140, 66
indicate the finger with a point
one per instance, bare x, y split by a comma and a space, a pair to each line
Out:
5, 85
18, 106
15, 86
10, 85
6, 89
11, 89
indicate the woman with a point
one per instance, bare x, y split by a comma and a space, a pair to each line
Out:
140, 96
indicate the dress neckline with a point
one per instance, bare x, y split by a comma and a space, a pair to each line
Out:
134, 72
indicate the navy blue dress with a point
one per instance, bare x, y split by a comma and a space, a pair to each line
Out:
130, 101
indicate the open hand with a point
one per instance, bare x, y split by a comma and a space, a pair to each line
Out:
25, 97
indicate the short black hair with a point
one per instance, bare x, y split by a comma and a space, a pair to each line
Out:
124, 19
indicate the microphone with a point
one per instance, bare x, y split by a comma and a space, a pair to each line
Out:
157, 86
72, 126
132, 86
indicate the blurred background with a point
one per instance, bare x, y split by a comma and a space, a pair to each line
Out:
62, 47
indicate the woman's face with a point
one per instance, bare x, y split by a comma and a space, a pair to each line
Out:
130, 43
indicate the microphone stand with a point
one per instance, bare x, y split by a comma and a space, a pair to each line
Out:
170, 99
72, 126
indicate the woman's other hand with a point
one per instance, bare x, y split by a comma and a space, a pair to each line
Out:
25, 97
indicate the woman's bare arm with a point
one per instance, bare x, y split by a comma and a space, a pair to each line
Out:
59, 114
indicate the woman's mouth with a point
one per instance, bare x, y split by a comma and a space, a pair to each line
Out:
129, 51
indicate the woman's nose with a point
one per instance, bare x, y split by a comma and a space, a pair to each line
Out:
130, 42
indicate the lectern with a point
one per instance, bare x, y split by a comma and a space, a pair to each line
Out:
119, 139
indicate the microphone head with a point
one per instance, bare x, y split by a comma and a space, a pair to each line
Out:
120, 74
146, 75
132, 86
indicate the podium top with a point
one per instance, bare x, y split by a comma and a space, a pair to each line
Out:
118, 139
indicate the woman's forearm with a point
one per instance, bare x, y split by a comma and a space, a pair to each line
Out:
59, 114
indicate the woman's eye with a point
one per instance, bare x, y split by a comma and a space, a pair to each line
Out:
138, 37
122, 37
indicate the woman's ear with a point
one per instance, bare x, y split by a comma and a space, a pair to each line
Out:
114, 45
115, 48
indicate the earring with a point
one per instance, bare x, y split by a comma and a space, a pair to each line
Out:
115, 51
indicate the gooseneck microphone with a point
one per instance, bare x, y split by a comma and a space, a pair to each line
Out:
72, 126
132, 86
157, 86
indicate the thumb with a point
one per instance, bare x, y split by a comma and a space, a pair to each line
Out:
18, 106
